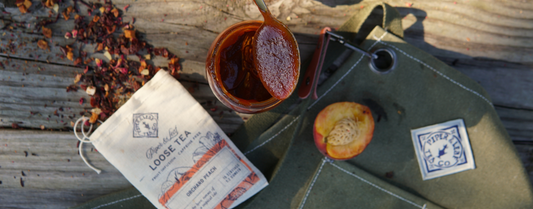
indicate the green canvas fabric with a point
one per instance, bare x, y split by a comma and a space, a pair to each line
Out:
420, 91
391, 20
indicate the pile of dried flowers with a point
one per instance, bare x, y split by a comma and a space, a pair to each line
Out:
109, 83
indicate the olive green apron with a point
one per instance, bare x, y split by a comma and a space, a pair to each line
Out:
420, 91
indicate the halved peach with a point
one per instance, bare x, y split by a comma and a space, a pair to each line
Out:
343, 130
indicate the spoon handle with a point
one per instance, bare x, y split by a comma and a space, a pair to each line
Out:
261, 4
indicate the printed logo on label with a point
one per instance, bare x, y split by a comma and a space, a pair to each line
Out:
145, 125
442, 149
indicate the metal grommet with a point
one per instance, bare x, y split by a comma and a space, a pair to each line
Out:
385, 62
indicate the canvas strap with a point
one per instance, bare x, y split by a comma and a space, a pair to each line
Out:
392, 21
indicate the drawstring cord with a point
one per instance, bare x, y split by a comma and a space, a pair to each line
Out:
84, 140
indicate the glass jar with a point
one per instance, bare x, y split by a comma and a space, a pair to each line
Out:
230, 71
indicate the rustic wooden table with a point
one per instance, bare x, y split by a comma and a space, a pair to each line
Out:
488, 40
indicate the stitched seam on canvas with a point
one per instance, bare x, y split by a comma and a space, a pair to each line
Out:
348, 72
275, 135
376, 186
312, 183
121, 200
438, 72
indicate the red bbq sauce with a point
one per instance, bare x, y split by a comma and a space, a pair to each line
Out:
236, 68
277, 58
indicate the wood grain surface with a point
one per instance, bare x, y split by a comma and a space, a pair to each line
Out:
490, 41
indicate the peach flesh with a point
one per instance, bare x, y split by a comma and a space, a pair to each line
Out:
355, 128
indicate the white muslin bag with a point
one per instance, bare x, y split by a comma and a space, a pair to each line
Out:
172, 151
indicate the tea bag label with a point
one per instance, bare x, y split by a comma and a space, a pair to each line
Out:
443, 149
165, 143
222, 178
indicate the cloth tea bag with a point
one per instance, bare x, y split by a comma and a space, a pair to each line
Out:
172, 151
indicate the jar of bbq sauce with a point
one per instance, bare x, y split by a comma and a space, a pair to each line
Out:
231, 73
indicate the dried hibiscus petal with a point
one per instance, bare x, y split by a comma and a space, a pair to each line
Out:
100, 47
98, 62
27, 4
123, 70
77, 61
87, 61
174, 66
93, 102
111, 29
116, 50
42, 44
124, 50
81, 33
74, 33
164, 52
129, 34
72, 88
23, 5
66, 12
49, 3
70, 55
47, 32
22, 9
143, 65
94, 118
136, 85
77, 78
115, 12
103, 116
65, 15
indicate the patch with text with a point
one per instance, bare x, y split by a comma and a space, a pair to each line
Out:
443, 149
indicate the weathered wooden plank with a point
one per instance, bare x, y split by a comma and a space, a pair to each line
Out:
51, 171
48, 198
34, 94
517, 122
509, 84
22, 42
